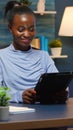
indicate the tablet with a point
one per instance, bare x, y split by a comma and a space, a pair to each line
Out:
53, 82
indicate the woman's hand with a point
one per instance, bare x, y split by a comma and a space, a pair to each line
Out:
29, 96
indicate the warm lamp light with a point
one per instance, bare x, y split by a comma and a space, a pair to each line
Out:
66, 27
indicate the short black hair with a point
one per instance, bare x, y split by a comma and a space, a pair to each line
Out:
18, 10
10, 5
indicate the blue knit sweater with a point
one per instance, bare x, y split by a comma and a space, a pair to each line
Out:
21, 70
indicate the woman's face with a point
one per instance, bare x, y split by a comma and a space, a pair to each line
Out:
23, 30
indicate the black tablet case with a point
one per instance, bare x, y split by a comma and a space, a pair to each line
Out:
50, 83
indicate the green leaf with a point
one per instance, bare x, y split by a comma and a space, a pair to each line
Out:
55, 43
4, 96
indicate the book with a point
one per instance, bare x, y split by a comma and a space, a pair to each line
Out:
36, 43
18, 110
42, 42
46, 44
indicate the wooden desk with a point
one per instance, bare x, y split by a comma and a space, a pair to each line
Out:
45, 116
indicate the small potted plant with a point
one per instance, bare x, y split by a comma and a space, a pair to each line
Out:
26, 2
56, 47
4, 102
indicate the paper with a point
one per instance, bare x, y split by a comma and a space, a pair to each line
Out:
18, 110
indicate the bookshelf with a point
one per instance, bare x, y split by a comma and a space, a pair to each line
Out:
61, 56
42, 41
45, 12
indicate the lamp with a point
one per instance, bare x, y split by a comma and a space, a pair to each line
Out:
66, 27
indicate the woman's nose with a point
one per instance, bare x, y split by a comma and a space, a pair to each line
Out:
26, 33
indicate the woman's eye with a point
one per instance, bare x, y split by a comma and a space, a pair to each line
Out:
21, 29
31, 29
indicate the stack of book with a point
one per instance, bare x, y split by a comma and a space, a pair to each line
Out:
36, 43
40, 42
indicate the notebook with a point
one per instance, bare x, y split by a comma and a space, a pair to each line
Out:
19, 110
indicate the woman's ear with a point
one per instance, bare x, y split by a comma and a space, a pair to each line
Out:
10, 28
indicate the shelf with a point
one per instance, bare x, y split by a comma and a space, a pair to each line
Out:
45, 12
61, 56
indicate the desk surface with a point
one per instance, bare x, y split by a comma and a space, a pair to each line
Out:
45, 116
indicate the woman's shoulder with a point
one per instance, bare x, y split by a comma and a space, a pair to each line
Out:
4, 50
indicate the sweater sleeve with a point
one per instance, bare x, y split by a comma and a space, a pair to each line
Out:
1, 75
48, 63
16, 97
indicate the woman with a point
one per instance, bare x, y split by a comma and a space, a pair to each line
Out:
20, 65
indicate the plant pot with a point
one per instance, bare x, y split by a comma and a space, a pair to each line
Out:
56, 51
4, 113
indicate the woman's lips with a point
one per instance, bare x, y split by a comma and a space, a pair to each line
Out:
26, 40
